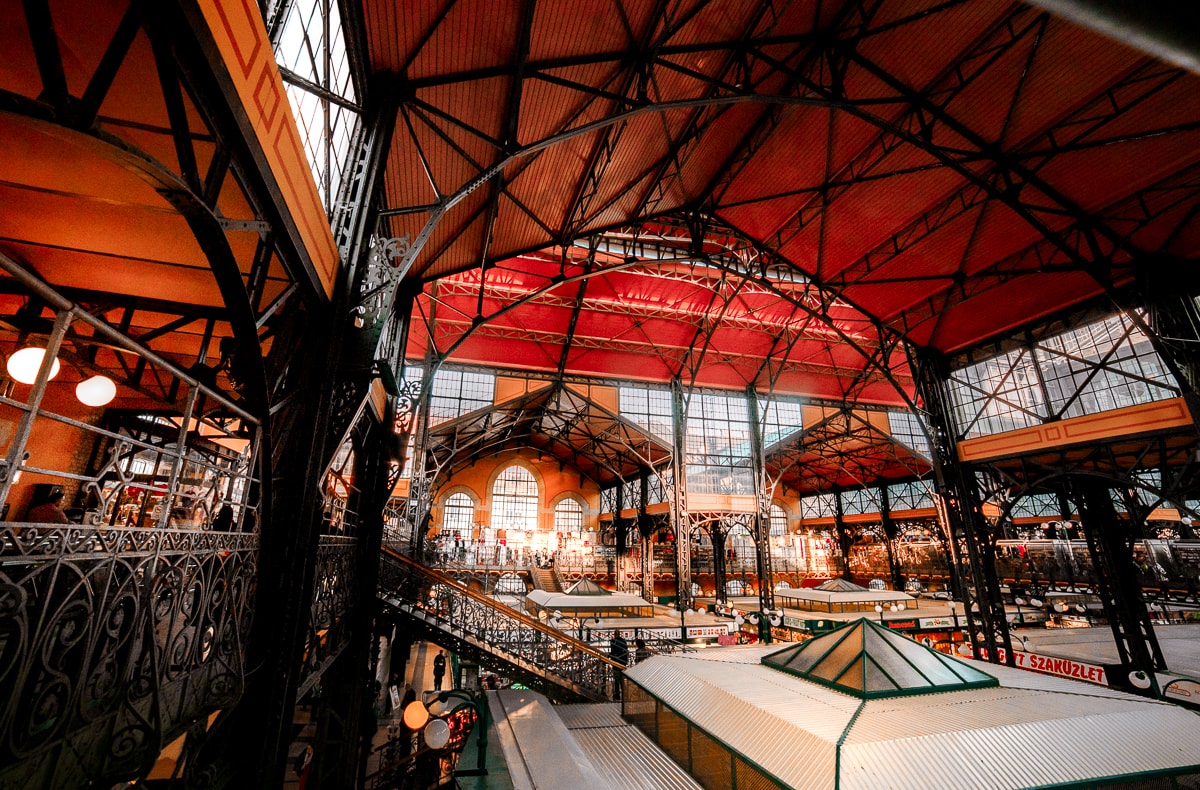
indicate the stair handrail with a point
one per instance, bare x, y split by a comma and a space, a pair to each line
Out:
500, 608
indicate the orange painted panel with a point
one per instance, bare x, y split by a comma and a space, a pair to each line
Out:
237, 28
378, 400
732, 503
607, 397
509, 387
1131, 420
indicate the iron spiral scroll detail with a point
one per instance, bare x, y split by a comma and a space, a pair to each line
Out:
113, 642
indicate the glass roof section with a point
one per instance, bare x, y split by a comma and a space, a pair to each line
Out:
870, 661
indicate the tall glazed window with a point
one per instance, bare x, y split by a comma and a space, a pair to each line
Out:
515, 500
458, 515
310, 48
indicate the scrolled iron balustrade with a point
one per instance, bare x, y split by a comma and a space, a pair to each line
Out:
515, 637
113, 641
333, 596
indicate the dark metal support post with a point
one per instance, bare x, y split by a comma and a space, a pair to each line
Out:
890, 535
679, 512
647, 527
961, 513
762, 517
719, 534
1117, 584
346, 723
420, 494
621, 536
845, 535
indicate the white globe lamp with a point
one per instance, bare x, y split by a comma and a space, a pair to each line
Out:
23, 366
96, 391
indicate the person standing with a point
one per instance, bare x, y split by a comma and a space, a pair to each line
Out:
640, 652
439, 670
618, 651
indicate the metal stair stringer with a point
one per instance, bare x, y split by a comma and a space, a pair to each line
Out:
470, 623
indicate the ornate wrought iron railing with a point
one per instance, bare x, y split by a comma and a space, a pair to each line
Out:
515, 638
113, 641
334, 592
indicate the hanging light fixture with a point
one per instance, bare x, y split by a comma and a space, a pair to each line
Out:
23, 366
96, 391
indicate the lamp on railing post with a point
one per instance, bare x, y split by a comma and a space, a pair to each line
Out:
428, 717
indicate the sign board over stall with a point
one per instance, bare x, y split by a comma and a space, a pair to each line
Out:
1063, 667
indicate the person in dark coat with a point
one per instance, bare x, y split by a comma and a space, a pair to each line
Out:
439, 670
224, 519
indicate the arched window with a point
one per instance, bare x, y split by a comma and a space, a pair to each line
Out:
458, 515
568, 516
515, 500
779, 521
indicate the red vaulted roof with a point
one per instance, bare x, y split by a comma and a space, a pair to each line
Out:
932, 170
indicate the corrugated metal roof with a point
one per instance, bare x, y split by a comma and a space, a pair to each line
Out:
620, 751
862, 595
1032, 730
787, 726
628, 759
604, 714
1140, 738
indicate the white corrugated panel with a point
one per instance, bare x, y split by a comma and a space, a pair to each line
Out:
733, 654
785, 725
838, 597
1033, 730
935, 714
598, 714
628, 759
1141, 738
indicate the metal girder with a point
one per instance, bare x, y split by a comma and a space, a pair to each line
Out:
960, 512
1133, 632
1133, 213
511, 120
914, 126
680, 519
762, 517
756, 276
555, 420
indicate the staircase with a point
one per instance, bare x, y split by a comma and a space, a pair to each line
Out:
463, 620
546, 579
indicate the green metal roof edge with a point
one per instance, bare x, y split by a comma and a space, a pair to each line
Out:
991, 681
732, 750
1111, 779
949, 662
807, 645
837, 749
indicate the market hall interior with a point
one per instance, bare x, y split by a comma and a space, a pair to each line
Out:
573, 337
